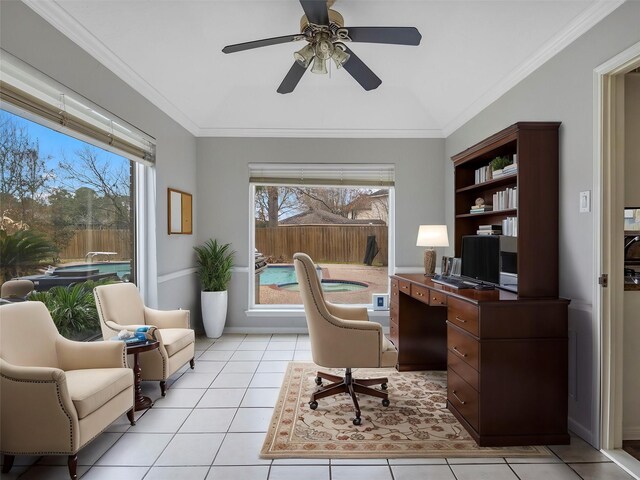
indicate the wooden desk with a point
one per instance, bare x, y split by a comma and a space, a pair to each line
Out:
506, 358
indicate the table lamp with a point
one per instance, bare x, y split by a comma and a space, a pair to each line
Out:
431, 236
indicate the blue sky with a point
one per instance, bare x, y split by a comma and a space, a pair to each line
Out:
53, 144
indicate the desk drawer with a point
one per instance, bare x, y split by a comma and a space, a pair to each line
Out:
463, 397
464, 370
404, 287
464, 315
437, 299
393, 312
394, 333
463, 346
394, 291
420, 293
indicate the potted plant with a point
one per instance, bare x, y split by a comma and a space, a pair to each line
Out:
215, 261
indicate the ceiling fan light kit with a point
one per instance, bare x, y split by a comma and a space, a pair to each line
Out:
324, 30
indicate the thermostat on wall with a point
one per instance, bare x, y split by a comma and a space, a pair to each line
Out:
380, 301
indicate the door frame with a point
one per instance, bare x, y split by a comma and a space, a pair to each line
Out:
608, 253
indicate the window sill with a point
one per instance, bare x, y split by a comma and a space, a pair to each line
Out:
298, 312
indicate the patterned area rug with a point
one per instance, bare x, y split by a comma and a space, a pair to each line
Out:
416, 424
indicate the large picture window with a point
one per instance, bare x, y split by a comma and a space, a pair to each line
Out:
67, 214
344, 229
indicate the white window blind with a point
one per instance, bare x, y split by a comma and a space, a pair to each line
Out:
347, 174
29, 92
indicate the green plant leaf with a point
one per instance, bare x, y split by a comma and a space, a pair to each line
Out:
215, 262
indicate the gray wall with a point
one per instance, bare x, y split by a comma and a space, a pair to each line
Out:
562, 89
30, 38
223, 191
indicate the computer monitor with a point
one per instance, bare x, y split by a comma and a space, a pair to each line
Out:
481, 258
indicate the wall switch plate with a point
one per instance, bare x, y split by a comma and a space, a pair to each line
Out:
585, 201
380, 301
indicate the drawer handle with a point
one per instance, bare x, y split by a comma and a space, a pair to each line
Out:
455, 349
461, 320
459, 399
419, 294
405, 288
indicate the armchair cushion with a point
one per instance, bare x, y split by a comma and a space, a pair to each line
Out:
91, 389
166, 319
175, 339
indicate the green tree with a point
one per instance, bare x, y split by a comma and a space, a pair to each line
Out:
23, 173
23, 252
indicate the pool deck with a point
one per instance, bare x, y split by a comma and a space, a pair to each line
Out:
377, 279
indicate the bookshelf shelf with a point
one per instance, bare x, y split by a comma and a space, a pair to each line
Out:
496, 182
492, 213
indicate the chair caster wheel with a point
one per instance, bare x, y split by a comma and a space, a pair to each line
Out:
384, 386
313, 405
318, 381
386, 403
357, 421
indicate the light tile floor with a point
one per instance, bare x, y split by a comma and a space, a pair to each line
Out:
212, 423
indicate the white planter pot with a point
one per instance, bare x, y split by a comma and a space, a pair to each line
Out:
214, 312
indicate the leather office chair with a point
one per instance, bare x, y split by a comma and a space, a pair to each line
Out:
342, 337
120, 308
56, 395
16, 289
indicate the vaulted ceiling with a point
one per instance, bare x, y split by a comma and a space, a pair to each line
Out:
472, 51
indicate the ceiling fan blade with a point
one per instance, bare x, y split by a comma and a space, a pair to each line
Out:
391, 35
361, 73
265, 42
292, 78
316, 11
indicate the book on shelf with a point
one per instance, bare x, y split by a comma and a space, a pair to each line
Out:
490, 227
484, 208
510, 226
489, 232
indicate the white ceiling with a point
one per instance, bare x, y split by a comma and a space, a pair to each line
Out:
472, 51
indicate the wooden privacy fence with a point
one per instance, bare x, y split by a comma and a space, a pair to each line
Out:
85, 241
323, 243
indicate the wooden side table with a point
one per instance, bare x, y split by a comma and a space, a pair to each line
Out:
141, 402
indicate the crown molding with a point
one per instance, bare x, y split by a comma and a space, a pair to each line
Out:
64, 22
580, 25
320, 133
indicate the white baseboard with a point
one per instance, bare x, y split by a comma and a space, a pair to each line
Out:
631, 433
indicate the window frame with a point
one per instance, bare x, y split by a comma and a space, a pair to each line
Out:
295, 309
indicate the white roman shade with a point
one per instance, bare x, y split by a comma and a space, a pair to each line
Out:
347, 174
32, 94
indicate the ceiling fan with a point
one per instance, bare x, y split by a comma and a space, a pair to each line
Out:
324, 30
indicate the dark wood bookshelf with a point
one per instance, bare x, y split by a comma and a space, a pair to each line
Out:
536, 147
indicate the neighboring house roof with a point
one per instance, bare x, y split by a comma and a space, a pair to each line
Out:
322, 217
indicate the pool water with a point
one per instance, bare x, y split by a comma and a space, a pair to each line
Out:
119, 268
284, 276
331, 286
278, 274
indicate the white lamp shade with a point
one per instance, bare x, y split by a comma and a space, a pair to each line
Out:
432, 236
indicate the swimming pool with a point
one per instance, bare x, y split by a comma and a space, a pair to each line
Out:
284, 276
121, 269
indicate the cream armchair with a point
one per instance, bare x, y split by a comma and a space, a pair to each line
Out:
56, 395
120, 308
342, 337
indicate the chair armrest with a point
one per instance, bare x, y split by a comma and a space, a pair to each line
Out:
117, 327
347, 312
166, 318
37, 413
82, 355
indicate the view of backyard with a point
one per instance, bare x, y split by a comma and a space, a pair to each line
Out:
344, 230
66, 219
